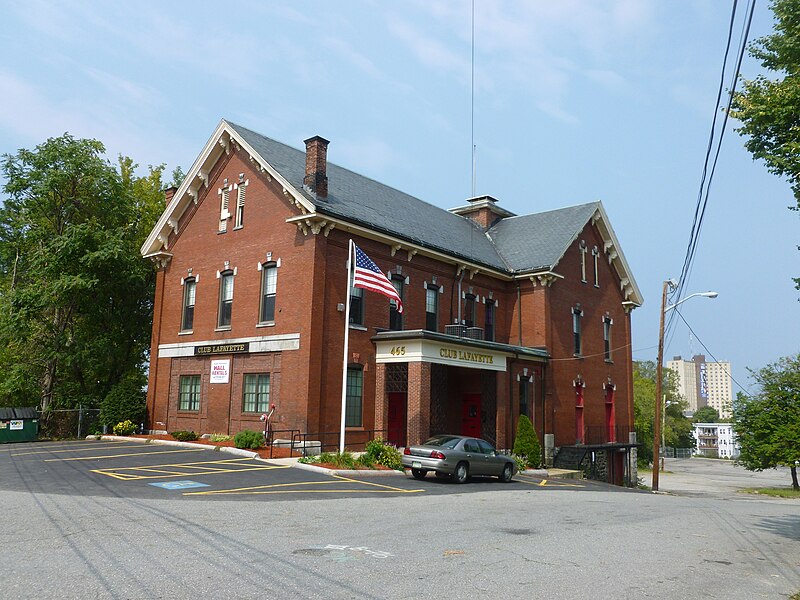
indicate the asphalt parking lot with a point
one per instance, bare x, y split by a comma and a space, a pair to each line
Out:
136, 470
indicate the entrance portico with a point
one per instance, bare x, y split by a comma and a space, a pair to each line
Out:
429, 383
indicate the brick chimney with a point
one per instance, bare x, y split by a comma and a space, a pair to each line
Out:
169, 193
316, 178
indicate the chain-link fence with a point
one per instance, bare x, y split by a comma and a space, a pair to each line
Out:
69, 423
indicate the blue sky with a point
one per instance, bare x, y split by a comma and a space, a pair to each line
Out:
574, 101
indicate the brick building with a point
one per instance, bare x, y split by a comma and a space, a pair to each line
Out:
504, 314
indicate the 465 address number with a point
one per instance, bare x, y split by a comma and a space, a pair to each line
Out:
398, 351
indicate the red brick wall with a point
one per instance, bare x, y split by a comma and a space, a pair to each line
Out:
306, 383
595, 302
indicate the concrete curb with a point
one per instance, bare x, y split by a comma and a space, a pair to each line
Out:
348, 473
176, 443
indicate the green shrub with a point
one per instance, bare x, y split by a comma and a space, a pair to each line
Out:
384, 454
184, 436
522, 462
526, 443
366, 461
124, 428
248, 439
125, 402
220, 437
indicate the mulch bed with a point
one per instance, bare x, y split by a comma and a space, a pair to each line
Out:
274, 452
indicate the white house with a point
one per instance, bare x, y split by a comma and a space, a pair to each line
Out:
716, 440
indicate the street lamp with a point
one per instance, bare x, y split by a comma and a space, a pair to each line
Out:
669, 284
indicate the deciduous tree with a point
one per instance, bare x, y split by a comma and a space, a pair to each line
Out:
768, 107
767, 424
76, 302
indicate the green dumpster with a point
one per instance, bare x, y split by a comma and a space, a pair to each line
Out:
18, 424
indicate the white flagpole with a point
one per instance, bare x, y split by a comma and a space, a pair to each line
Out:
346, 338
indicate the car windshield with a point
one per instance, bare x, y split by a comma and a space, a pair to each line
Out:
443, 441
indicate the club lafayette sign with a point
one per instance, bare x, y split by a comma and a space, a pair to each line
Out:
222, 349
436, 352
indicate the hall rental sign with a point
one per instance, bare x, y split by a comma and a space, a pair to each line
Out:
436, 352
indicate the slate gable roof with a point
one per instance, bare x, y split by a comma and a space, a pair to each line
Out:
538, 241
515, 245
360, 199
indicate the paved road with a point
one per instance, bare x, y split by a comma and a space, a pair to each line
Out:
716, 477
526, 541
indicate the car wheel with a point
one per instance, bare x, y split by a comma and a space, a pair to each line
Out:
418, 473
508, 473
461, 474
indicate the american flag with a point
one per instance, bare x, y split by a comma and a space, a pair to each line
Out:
369, 276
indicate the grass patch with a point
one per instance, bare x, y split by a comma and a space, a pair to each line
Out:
777, 493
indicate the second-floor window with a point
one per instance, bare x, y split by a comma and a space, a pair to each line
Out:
607, 322
356, 306
189, 293
469, 310
396, 318
269, 287
225, 298
432, 308
488, 323
577, 313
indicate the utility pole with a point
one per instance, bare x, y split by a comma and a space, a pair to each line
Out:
659, 375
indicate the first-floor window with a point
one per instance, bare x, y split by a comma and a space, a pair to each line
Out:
354, 403
524, 387
189, 395
256, 392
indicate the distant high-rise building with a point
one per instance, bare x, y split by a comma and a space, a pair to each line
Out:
704, 383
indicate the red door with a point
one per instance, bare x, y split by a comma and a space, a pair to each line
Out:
396, 433
471, 415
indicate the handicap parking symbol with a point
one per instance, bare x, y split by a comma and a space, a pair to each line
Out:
179, 485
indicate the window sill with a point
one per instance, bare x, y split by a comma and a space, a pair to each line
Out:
358, 327
187, 332
597, 286
266, 324
578, 355
609, 361
358, 428
238, 227
221, 232
188, 411
226, 328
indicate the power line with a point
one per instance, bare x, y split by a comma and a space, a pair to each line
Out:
708, 176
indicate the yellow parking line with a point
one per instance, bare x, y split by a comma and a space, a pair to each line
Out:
547, 483
281, 488
388, 487
92, 447
120, 455
184, 469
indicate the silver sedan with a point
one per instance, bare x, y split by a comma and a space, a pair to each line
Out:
458, 456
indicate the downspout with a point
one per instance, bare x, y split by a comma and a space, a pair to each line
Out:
519, 313
460, 279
